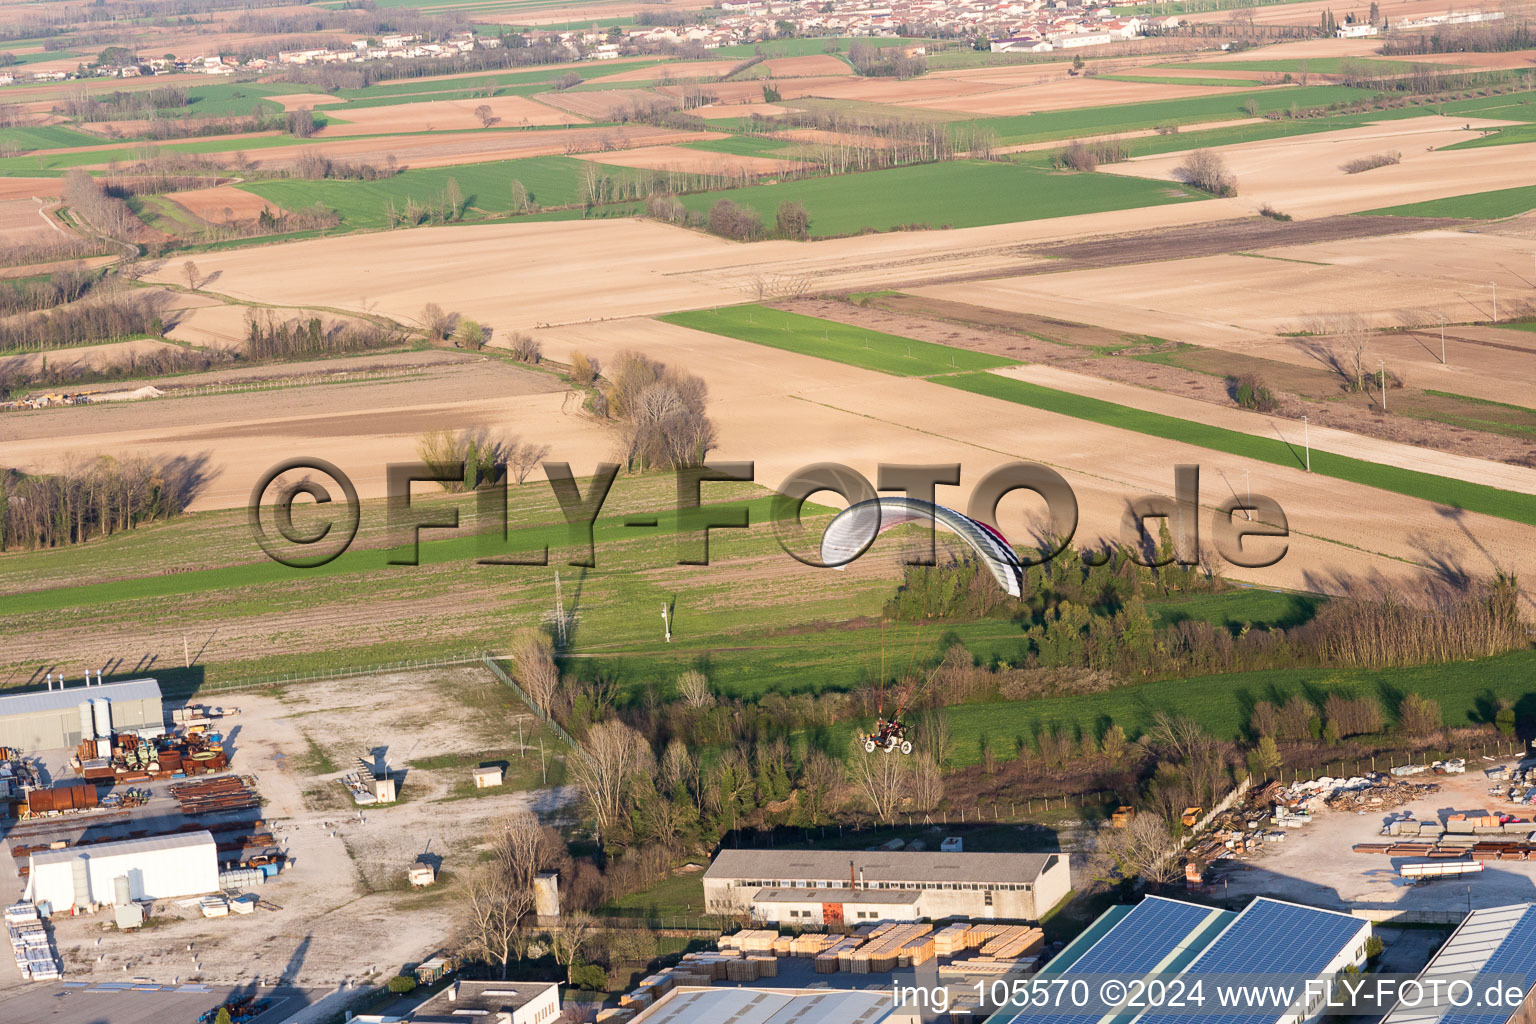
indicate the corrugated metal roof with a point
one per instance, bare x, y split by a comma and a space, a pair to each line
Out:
1467, 953
768, 1006
74, 696
152, 844
881, 866
891, 897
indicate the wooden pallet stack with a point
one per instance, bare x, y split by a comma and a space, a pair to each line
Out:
883, 952
953, 939
810, 944
1013, 943
832, 958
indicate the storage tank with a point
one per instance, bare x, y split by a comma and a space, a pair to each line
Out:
102, 707
87, 722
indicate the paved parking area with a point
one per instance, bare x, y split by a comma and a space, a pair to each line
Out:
127, 1003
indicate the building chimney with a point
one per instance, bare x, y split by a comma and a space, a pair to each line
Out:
50, 682
852, 884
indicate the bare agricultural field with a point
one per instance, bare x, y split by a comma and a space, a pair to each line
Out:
558, 14
1065, 94
28, 188
785, 410
721, 110
82, 357
1303, 175
697, 161
674, 70
220, 204
444, 115
751, 90
298, 100
808, 66
1498, 61
1246, 304
22, 221
359, 425
602, 105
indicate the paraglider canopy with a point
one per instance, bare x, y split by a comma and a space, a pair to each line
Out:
855, 528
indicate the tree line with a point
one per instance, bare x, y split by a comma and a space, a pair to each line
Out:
269, 336
101, 497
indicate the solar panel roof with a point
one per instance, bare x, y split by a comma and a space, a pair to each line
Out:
1270, 943
1138, 944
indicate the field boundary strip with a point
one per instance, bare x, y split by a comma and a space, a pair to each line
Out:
1471, 497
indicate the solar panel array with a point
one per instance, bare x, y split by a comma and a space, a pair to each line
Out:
1270, 943
1139, 942
1515, 955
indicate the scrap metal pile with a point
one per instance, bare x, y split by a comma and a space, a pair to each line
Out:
140, 760
210, 796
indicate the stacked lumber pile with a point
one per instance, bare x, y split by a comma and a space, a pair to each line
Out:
1013, 942
883, 952
750, 941
831, 959
954, 939
809, 944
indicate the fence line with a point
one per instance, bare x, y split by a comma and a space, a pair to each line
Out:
546, 717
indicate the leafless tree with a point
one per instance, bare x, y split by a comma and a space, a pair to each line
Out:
1143, 849
438, 323
568, 938
523, 457
500, 894
881, 779
927, 783
190, 270
694, 686
533, 663
486, 115
1205, 170
611, 761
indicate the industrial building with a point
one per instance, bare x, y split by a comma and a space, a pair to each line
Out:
160, 867
827, 888
491, 1002
768, 1006
60, 717
1496, 945
1274, 943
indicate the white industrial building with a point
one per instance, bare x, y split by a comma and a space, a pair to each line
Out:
60, 717
481, 1002
829, 888
157, 868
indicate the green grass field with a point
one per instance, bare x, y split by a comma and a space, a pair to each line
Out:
829, 339
1223, 703
486, 187
47, 137
1313, 65
1063, 124
964, 193
1229, 83
1520, 508
1509, 135
1504, 202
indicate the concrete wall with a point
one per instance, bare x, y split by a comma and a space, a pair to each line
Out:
542, 1009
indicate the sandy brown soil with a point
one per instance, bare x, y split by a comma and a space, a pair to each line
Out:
81, 357
359, 425
697, 161
599, 106
1308, 13
220, 204
719, 110
1481, 61
674, 70
444, 115
23, 221
27, 188
296, 100
1302, 176
751, 90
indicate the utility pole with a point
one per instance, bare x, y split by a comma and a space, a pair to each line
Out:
1248, 486
1495, 286
542, 770
1442, 341
666, 621
1306, 433
1383, 385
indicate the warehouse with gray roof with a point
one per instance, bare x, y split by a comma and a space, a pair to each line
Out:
830, 888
